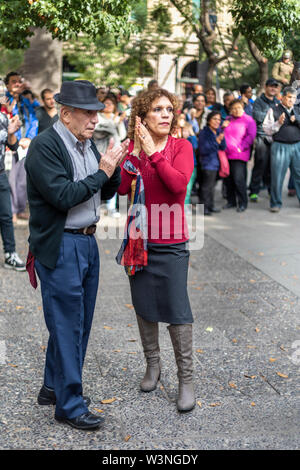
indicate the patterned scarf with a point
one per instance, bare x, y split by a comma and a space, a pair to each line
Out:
133, 254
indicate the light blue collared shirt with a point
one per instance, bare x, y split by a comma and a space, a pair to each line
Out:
84, 164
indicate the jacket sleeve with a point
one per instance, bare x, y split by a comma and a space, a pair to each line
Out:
258, 112
250, 135
110, 188
276, 71
207, 144
49, 176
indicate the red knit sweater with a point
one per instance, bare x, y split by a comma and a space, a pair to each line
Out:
165, 175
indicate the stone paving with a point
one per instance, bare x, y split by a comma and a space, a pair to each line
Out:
246, 363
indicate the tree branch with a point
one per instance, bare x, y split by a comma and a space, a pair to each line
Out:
178, 6
256, 52
229, 51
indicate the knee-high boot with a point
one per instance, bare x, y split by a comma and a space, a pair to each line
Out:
149, 337
182, 340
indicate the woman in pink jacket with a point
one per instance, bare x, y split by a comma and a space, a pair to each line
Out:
240, 132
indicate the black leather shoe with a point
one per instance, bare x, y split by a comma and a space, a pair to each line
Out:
47, 397
241, 209
206, 212
86, 421
228, 206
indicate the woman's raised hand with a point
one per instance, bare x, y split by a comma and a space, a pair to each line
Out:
144, 137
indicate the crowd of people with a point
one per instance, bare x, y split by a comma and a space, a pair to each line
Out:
237, 128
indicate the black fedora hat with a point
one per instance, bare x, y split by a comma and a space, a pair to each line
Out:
79, 94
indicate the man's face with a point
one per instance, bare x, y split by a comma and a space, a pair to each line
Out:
81, 122
14, 84
198, 89
200, 103
271, 90
289, 100
248, 93
227, 100
101, 94
49, 101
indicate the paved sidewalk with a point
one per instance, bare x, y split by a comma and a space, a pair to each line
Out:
246, 368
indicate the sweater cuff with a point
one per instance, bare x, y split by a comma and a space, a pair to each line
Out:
103, 178
155, 158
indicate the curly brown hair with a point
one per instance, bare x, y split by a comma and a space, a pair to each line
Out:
141, 104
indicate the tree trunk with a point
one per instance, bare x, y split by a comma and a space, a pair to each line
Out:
262, 64
43, 62
210, 74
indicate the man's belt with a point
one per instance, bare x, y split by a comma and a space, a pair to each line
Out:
82, 231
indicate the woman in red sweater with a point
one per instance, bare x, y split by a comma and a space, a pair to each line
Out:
164, 165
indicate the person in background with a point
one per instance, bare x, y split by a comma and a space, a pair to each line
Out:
8, 139
228, 97
188, 133
181, 123
210, 141
282, 70
47, 114
197, 89
246, 98
262, 153
110, 116
211, 100
25, 108
197, 117
101, 93
17, 181
240, 132
31, 97
153, 85
283, 124
198, 114
21, 106
124, 107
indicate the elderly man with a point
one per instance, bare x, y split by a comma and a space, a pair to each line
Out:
262, 153
283, 123
66, 179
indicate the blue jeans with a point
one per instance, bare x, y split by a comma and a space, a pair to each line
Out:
6, 224
69, 295
284, 156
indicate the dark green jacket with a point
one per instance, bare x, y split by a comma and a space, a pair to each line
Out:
52, 192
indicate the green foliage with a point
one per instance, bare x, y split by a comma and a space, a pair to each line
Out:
10, 60
161, 16
242, 68
267, 23
64, 19
105, 60
293, 43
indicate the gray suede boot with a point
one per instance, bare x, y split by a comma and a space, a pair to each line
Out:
182, 340
149, 338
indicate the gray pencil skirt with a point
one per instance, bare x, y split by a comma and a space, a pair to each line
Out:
159, 291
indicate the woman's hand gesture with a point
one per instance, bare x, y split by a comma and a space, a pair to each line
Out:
145, 139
